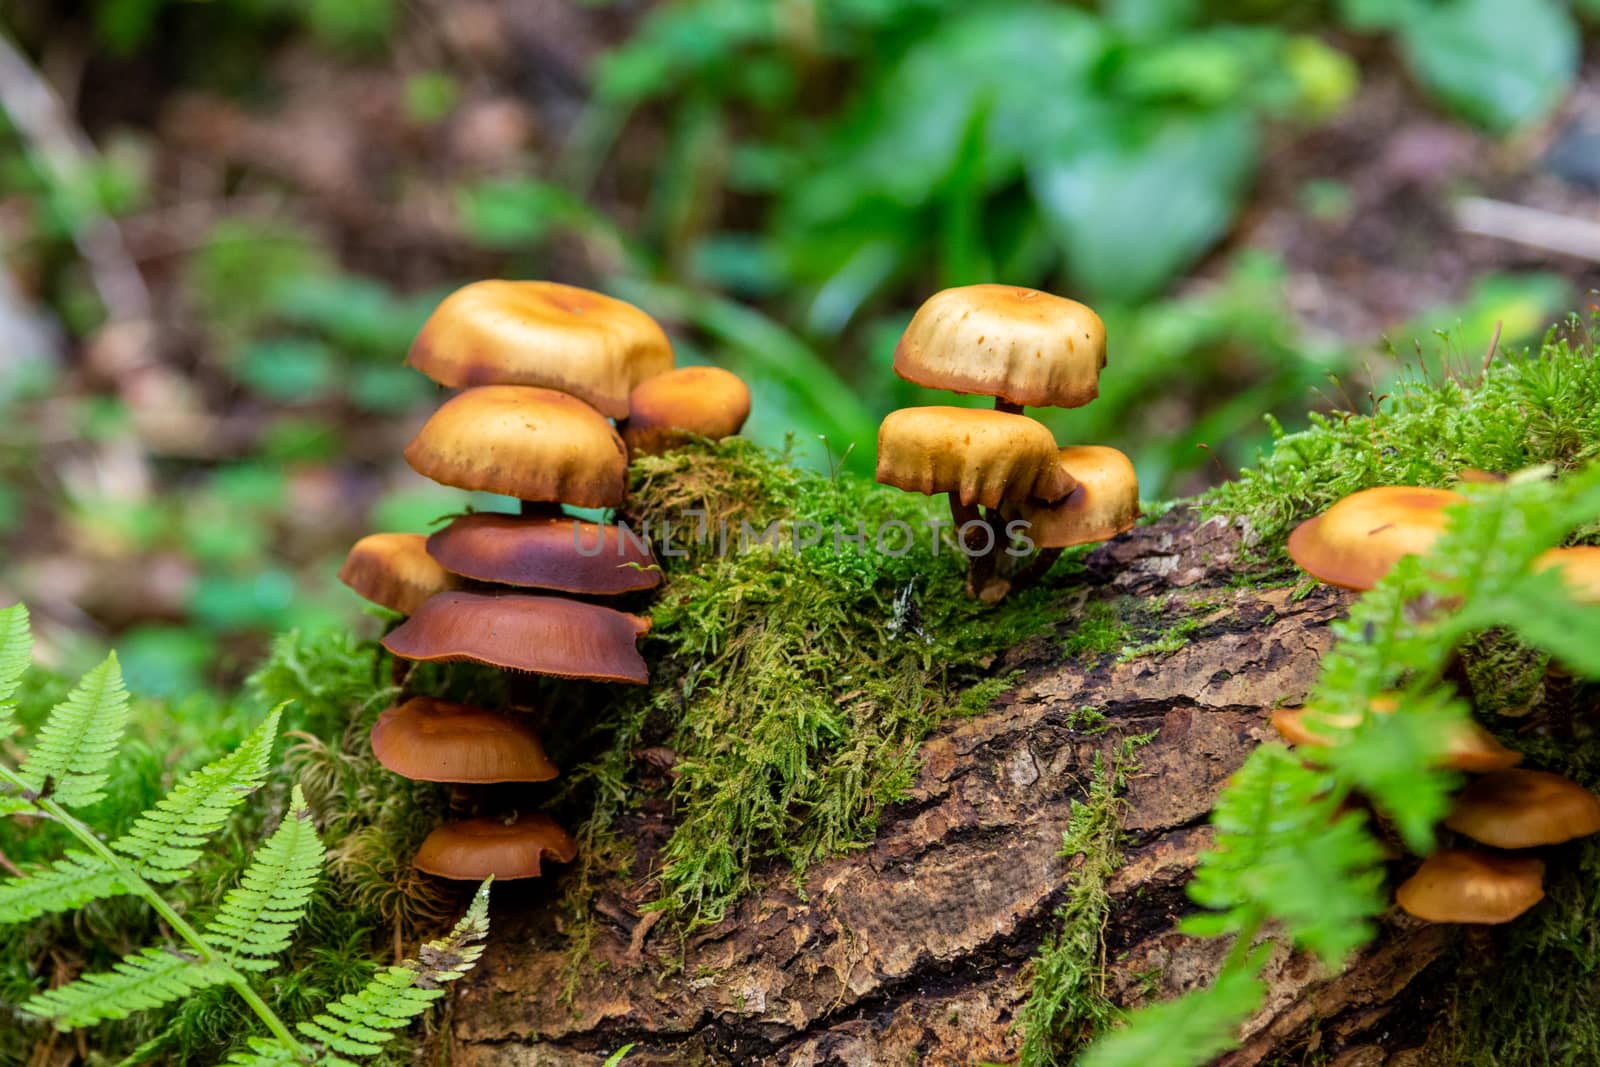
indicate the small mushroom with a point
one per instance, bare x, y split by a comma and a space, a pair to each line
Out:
545, 334
976, 456
535, 634
1524, 809
475, 849
1466, 886
1354, 543
545, 552
1468, 748
531, 443
430, 740
664, 411
1580, 570
1104, 504
1020, 346
395, 571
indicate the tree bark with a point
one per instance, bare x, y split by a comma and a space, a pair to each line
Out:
914, 950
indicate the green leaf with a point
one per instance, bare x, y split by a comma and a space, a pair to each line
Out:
1187, 1032
68, 883
258, 917
16, 653
1494, 66
1140, 202
146, 979
79, 737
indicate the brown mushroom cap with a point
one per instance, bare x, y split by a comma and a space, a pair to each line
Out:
1580, 570
1020, 345
430, 740
545, 552
980, 456
395, 571
537, 634
1524, 809
1468, 748
665, 410
1105, 503
545, 334
1355, 542
533, 444
1462, 886
477, 848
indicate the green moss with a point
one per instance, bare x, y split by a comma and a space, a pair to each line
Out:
1528, 409
1097, 630
1176, 637
1068, 1005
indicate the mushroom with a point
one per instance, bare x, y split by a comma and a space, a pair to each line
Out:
474, 849
534, 634
1104, 504
1355, 542
545, 552
1469, 747
1021, 347
1580, 570
1524, 809
394, 571
428, 740
534, 444
545, 334
1466, 886
666, 411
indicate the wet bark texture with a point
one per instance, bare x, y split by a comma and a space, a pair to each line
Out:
913, 951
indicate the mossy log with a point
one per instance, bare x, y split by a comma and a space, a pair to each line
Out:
915, 950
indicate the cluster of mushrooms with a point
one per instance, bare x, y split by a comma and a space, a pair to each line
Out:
541, 369
1022, 347
1353, 544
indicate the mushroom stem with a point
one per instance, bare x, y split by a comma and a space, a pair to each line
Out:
1036, 568
541, 509
1007, 406
968, 521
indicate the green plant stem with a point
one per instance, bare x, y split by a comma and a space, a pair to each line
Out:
145, 891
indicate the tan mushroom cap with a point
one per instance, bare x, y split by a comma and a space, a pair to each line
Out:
535, 634
1580, 570
546, 552
1354, 543
474, 849
1463, 886
980, 456
1004, 341
533, 444
395, 571
1105, 503
1468, 748
1524, 809
430, 740
545, 334
701, 401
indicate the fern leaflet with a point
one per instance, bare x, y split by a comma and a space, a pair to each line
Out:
79, 738
258, 918
16, 652
68, 883
1195, 1028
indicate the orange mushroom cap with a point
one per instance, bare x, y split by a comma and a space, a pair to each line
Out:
702, 401
1020, 345
394, 570
1105, 503
1524, 809
545, 334
1468, 748
1464, 886
980, 456
430, 740
474, 849
533, 444
1355, 542
1580, 570
545, 552
536, 634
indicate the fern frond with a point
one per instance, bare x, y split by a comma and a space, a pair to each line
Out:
1188, 1031
165, 841
68, 883
258, 918
146, 979
16, 653
77, 741
361, 1023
